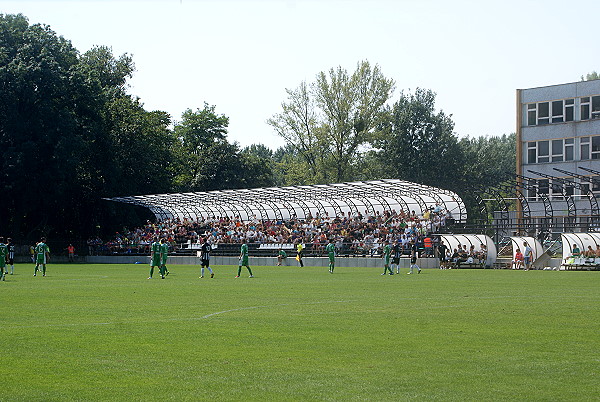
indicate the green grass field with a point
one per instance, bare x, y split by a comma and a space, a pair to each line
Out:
105, 332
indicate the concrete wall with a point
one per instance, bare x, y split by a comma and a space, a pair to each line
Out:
265, 261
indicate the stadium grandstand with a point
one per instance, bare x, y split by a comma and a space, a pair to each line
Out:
304, 202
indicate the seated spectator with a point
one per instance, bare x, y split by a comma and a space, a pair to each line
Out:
575, 251
589, 253
482, 253
518, 261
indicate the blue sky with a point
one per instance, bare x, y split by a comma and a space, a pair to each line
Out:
241, 55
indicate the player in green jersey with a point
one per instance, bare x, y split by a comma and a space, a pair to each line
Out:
155, 260
244, 260
330, 248
42, 255
387, 253
164, 254
3, 259
281, 256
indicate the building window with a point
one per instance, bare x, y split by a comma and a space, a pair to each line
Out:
584, 188
590, 107
596, 184
543, 186
585, 108
562, 150
543, 150
596, 147
569, 109
595, 107
569, 190
543, 113
569, 149
557, 112
551, 112
557, 150
531, 152
584, 148
531, 114
556, 191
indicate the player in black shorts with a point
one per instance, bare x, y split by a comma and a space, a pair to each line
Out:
413, 256
11, 255
396, 254
204, 255
442, 250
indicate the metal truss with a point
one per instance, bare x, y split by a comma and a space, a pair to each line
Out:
594, 209
559, 184
310, 200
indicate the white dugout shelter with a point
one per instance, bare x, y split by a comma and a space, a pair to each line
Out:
301, 202
583, 240
453, 241
537, 249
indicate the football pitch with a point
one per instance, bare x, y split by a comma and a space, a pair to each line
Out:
105, 332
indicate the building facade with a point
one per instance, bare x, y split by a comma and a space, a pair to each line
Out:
558, 156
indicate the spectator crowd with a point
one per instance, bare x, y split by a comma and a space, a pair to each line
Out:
355, 234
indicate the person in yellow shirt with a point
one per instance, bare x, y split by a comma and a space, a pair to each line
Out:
300, 251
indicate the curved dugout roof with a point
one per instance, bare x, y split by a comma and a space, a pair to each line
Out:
299, 202
518, 242
582, 240
452, 241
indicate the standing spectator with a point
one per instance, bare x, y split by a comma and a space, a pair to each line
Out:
527, 256
428, 244
71, 252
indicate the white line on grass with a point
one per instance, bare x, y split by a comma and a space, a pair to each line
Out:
204, 317
174, 319
275, 305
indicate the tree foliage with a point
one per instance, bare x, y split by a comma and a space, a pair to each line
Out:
71, 135
420, 144
331, 122
591, 76
207, 161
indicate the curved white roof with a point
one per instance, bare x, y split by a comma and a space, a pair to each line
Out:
452, 241
583, 240
518, 242
366, 197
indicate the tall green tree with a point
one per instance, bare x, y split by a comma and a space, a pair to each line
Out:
420, 144
207, 161
331, 122
352, 106
41, 134
69, 133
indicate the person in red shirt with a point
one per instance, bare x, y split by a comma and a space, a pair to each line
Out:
71, 252
518, 262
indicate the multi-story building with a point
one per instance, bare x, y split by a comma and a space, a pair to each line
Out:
558, 156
